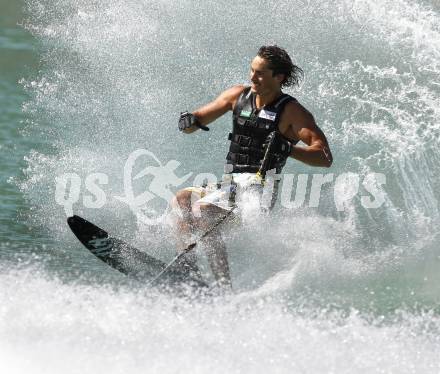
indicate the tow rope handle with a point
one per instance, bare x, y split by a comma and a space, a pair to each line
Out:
261, 173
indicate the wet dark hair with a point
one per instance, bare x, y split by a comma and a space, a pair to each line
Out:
280, 63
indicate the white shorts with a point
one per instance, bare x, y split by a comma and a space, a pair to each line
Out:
224, 194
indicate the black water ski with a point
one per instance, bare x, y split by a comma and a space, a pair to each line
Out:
125, 258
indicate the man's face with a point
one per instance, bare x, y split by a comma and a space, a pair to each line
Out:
262, 79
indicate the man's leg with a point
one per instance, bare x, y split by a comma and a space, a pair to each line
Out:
218, 258
214, 244
190, 217
184, 225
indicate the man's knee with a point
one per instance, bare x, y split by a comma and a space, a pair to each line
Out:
187, 201
182, 200
185, 204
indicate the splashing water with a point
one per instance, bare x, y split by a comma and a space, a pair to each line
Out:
317, 289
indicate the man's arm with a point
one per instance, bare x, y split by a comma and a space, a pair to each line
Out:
298, 123
215, 109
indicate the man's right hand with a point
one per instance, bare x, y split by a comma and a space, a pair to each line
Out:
188, 120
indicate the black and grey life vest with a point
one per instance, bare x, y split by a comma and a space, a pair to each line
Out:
251, 126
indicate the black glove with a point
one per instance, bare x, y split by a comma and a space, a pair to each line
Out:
277, 144
187, 120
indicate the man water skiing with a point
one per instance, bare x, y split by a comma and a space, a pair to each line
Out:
262, 113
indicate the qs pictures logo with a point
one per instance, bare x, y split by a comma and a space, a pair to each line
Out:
159, 181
